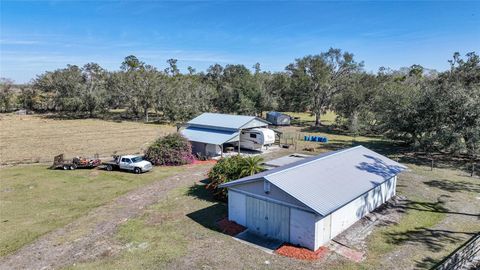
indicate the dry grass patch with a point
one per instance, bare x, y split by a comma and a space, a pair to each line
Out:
33, 138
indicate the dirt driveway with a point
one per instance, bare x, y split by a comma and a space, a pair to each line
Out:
92, 236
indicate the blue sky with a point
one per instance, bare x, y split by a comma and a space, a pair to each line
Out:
44, 35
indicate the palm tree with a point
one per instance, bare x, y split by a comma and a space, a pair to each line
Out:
251, 165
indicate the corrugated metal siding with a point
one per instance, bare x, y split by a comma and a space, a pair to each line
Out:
358, 208
237, 207
268, 219
327, 182
275, 193
263, 174
227, 121
210, 136
282, 161
302, 228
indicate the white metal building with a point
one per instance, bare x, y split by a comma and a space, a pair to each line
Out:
208, 132
312, 200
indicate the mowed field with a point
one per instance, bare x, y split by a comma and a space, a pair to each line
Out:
33, 138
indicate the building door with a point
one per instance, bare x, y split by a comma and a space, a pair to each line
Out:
268, 219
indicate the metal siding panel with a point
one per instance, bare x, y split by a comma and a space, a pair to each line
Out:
237, 207
329, 181
302, 228
267, 219
323, 227
226, 121
316, 182
275, 193
209, 136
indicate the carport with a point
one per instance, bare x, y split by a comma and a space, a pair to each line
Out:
206, 140
208, 132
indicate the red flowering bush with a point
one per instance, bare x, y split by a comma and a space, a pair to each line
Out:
171, 150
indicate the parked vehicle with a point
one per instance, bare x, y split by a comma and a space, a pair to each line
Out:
131, 163
256, 138
77, 162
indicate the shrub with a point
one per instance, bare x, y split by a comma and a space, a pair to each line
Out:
229, 169
173, 149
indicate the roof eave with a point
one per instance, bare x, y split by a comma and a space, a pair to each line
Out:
239, 182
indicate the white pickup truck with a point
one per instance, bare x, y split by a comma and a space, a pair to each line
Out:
131, 163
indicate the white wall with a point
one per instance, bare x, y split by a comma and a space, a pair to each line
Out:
358, 208
323, 227
302, 228
237, 207
312, 231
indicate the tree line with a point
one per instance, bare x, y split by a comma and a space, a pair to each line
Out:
434, 111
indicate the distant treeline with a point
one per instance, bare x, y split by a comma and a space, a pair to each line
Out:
435, 111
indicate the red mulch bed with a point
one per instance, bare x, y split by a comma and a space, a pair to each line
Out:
211, 161
301, 253
230, 227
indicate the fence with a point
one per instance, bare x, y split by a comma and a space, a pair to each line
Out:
461, 256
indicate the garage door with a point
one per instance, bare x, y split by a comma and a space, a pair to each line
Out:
268, 219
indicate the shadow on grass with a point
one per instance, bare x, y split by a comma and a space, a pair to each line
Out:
199, 191
434, 239
435, 207
116, 117
427, 263
451, 186
208, 217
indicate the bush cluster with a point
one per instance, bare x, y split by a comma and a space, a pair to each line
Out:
229, 169
171, 150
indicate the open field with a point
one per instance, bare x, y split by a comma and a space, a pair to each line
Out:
32, 138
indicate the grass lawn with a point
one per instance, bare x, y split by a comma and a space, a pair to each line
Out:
307, 118
35, 200
34, 138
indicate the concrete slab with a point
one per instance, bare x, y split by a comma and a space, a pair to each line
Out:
267, 245
247, 152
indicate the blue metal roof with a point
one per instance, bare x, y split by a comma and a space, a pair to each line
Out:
210, 136
226, 121
329, 181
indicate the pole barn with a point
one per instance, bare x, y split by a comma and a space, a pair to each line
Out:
312, 200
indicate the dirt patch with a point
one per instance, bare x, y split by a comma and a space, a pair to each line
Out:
202, 162
301, 253
229, 227
349, 253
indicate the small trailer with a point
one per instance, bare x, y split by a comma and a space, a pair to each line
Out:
256, 138
76, 163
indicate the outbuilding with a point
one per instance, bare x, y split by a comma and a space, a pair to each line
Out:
313, 199
208, 132
278, 118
